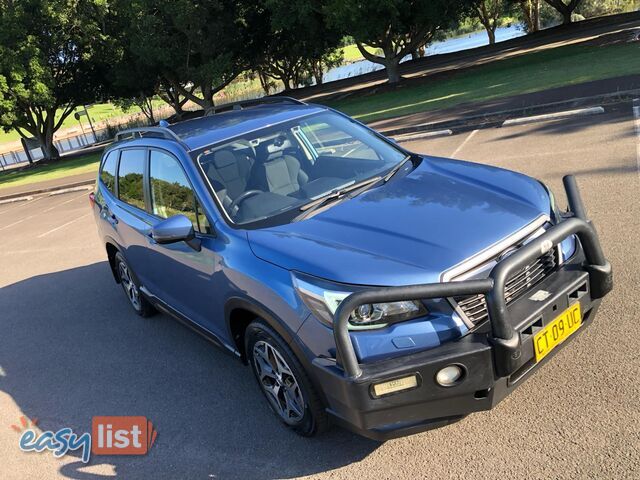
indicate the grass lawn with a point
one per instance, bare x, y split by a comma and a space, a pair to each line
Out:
59, 169
97, 112
525, 74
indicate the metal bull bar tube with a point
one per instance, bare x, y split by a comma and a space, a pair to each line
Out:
505, 340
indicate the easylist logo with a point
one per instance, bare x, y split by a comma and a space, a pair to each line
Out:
109, 436
122, 435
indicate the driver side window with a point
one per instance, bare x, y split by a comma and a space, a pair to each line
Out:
171, 192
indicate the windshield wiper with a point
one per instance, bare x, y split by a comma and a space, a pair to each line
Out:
336, 194
396, 169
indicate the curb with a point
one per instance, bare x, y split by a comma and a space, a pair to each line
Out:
583, 112
415, 136
57, 190
496, 119
15, 200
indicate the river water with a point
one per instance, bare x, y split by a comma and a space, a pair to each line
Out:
465, 42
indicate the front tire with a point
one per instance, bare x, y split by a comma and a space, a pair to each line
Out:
283, 381
131, 288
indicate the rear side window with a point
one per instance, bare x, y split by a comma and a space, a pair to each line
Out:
130, 177
171, 192
108, 172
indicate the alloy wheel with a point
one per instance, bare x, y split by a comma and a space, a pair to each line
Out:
278, 382
129, 286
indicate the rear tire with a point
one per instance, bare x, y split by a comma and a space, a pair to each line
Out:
283, 381
131, 288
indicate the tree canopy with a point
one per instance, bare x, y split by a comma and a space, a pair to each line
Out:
53, 57
201, 44
58, 54
298, 41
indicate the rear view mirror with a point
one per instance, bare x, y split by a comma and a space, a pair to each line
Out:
175, 229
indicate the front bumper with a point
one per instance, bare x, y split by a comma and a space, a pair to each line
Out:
494, 362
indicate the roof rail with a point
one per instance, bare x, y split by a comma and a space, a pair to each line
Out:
162, 132
257, 101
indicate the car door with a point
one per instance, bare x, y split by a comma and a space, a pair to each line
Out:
178, 274
128, 215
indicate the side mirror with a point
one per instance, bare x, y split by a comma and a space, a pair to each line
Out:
175, 229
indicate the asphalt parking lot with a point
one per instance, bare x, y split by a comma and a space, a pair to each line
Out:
71, 348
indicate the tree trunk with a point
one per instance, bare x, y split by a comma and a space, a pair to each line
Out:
393, 71
317, 70
491, 32
177, 107
286, 81
564, 9
264, 83
531, 11
49, 150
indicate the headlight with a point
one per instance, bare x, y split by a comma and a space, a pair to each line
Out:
323, 299
553, 208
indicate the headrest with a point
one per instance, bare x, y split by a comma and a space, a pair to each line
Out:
223, 158
278, 145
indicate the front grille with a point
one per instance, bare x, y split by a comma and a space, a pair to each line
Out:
475, 306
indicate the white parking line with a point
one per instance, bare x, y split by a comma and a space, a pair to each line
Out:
466, 140
63, 225
636, 114
20, 204
64, 203
16, 223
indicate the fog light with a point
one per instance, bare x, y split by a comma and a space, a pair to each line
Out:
397, 385
449, 375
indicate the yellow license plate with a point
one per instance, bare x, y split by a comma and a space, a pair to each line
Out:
557, 331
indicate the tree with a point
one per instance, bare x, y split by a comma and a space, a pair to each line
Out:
565, 9
489, 13
298, 45
597, 8
529, 13
197, 47
53, 56
396, 27
172, 95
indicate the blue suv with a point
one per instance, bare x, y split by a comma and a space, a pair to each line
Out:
365, 285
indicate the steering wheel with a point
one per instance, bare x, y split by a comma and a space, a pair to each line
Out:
243, 197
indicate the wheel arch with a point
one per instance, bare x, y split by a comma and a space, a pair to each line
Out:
112, 248
239, 312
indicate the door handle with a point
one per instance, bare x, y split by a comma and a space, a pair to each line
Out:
109, 216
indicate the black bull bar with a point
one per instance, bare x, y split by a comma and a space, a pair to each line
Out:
504, 338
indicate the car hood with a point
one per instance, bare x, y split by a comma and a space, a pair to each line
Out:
411, 229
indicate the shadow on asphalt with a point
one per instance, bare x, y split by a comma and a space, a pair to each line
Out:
72, 348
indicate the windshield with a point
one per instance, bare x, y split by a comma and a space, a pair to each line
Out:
280, 168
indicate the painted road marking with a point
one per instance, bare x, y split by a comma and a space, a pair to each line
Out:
65, 202
16, 223
20, 204
636, 114
63, 225
466, 140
